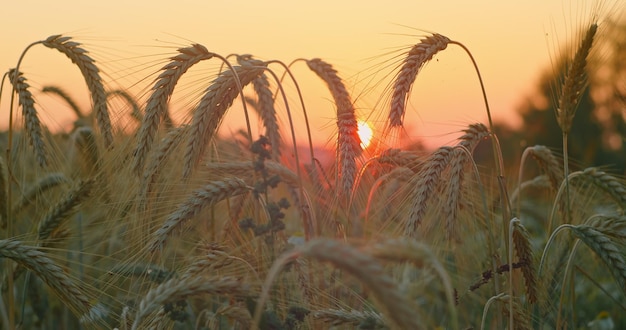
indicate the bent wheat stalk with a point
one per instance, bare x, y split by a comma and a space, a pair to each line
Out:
413, 63
571, 92
62, 94
178, 289
212, 107
156, 106
31, 120
46, 269
206, 196
360, 265
348, 141
423, 186
91, 73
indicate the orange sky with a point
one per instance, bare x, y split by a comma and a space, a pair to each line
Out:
131, 40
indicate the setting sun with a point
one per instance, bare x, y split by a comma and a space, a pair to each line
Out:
365, 133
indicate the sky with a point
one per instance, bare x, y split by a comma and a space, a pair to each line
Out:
364, 40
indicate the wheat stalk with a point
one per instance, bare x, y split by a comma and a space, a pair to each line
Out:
90, 72
62, 94
237, 313
211, 260
85, 140
156, 163
608, 183
245, 170
548, 163
523, 248
206, 196
403, 250
423, 186
179, 289
348, 141
38, 188
453, 192
156, 106
264, 106
401, 158
4, 202
356, 319
64, 209
419, 55
212, 107
360, 265
31, 120
46, 269
518, 314
136, 111
474, 134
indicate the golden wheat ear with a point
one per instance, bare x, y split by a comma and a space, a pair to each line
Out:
31, 119
206, 196
156, 106
424, 184
91, 73
348, 142
212, 107
575, 82
419, 55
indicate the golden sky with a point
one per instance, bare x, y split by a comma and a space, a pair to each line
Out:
510, 40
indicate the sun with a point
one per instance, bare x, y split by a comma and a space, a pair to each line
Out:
365, 133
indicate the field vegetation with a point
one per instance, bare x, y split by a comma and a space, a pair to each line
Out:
136, 218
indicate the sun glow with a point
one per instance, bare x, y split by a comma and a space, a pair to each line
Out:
365, 133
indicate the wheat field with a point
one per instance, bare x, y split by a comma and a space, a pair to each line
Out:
157, 222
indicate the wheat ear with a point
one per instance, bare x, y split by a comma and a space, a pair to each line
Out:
604, 248
419, 55
38, 188
64, 209
91, 73
62, 94
423, 186
575, 82
245, 170
212, 108
401, 158
31, 120
156, 163
46, 269
265, 107
356, 319
474, 134
360, 265
453, 192
156, 106
523, 249
85, 140
608, 183
402, 250
348, 141
136, 111
179, 289
206, 196
548, 163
